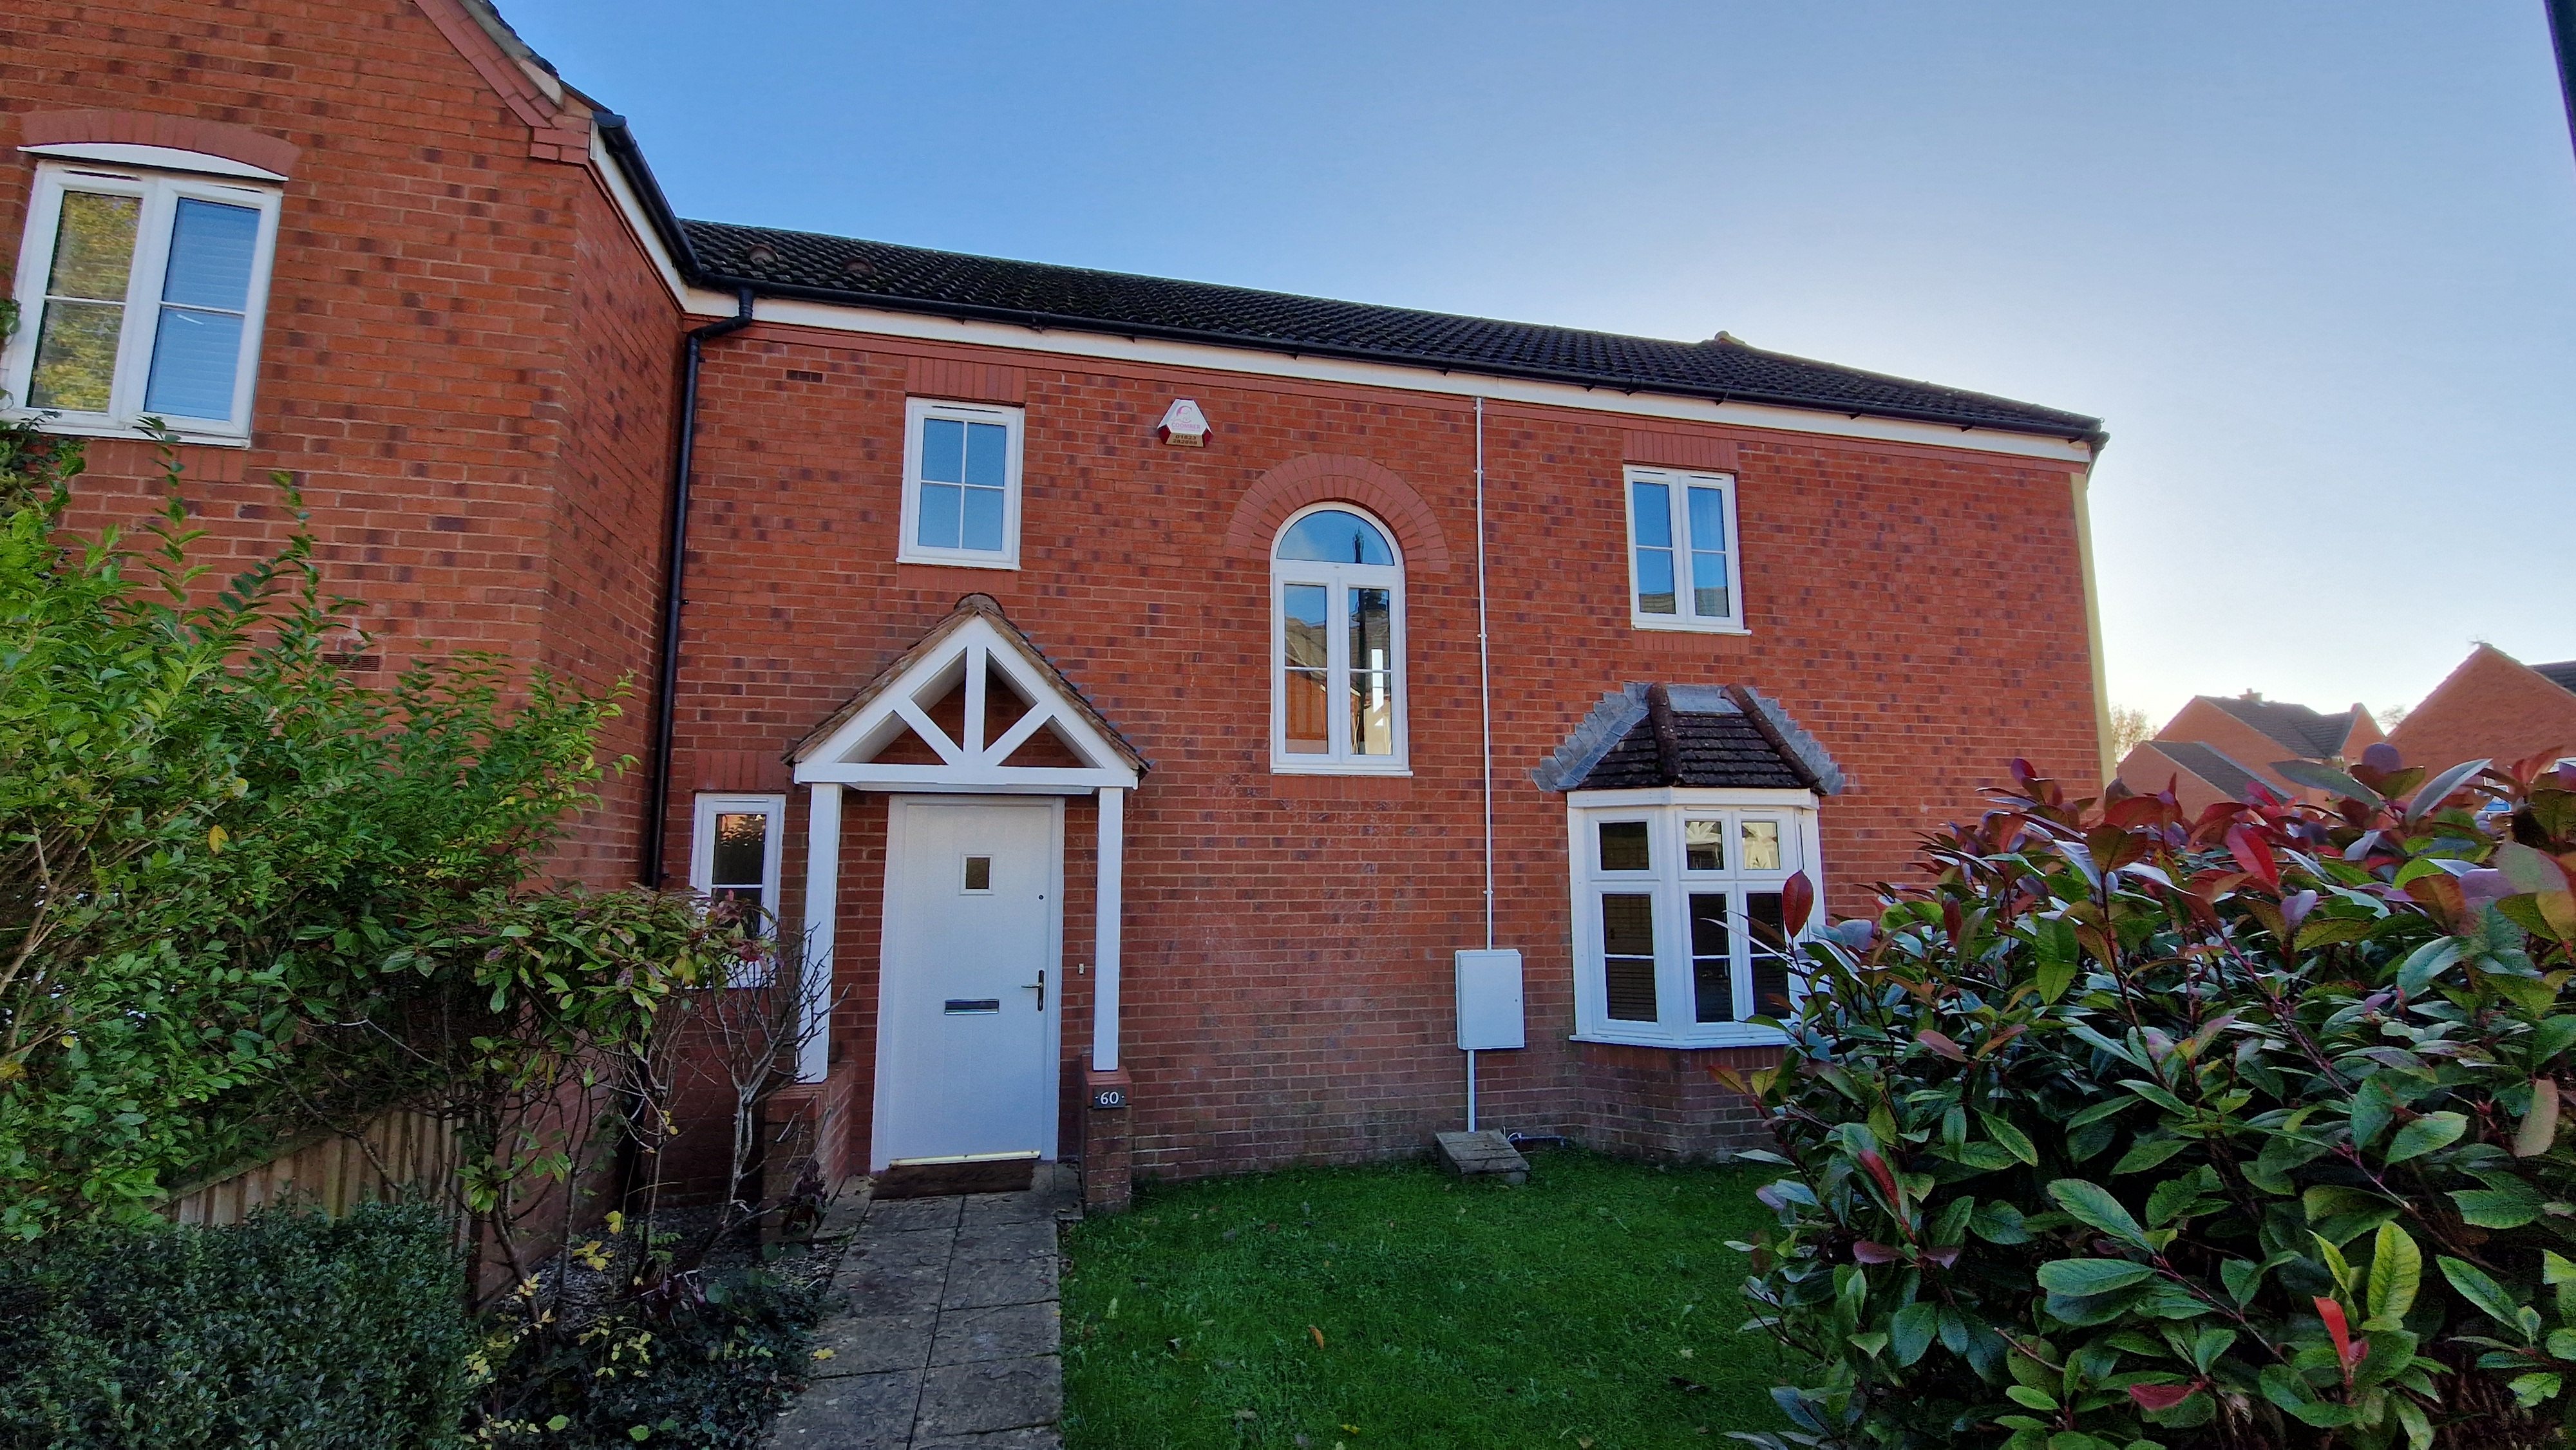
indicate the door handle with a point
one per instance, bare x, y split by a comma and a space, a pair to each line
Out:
1039, 987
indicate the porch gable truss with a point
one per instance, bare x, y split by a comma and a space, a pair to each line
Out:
973, 647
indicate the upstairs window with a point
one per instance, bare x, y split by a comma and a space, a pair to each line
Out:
1682, 569
1337, 649
140, 295
1680, 924
961, 485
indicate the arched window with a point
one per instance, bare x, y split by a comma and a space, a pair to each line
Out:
1337, 648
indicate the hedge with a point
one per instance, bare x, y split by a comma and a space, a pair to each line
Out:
290, 1330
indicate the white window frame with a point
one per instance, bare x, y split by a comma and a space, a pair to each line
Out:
161, 193
1338, 580
917, 411
702, 856
1664, 810
1678, 482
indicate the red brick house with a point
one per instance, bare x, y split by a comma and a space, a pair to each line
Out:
2493, 707
2220, 748
1133, 692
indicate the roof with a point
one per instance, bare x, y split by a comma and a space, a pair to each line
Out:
2296, 728
2232, 779
882, 274
2561, 674
1703, 736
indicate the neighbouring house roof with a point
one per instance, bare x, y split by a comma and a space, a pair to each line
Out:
881, 274
2296, 728
1708, 736
2231, 779
2561, 674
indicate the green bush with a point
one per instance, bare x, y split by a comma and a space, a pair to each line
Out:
243, 894
2134, 1129
290, 1331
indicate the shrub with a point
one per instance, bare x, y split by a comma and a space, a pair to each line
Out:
2134, 1128
289, 1330
699, 1362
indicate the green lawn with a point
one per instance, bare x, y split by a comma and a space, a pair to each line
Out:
1596, 1306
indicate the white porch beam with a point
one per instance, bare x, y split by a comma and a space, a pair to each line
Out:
822, 906
1109, 899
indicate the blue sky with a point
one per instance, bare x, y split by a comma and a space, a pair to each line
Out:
2314, 265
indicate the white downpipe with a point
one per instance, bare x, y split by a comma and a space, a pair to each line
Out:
822, 905
1485, 704
1109, 901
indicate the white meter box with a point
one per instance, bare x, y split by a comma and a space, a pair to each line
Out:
1489, 1001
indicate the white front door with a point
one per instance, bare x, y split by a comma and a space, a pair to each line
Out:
968, 986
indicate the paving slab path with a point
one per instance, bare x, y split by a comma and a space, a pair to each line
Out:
946, 1333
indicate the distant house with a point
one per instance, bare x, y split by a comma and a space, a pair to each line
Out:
2219, 748
2492, 707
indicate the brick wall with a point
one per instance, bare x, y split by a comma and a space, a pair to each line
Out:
461, 364
1287, 975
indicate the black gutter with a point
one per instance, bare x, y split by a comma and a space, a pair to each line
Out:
666, 687
2095, 436
619, 138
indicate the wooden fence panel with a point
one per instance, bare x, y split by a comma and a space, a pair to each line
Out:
397, 1150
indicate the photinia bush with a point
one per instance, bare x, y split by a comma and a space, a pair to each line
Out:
2136, 1128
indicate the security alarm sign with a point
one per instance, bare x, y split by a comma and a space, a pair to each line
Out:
1183, 425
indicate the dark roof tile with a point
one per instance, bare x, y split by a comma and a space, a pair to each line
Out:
917, 279
2296, 728
2561, 674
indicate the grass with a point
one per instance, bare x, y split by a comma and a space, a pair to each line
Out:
1595, 1307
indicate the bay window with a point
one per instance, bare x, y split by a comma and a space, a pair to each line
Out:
1681, 935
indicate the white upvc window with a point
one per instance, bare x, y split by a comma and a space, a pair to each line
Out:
734, 856
961, 484
1337, 645
1683, 568
1681, 934
140, 295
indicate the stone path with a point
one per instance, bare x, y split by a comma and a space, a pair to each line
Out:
947, 1334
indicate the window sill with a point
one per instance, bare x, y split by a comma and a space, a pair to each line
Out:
83, 428
1339, 767
1665, 626
959, 561
1736, 1036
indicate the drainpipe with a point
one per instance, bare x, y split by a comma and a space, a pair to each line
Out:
666, 687
1485, 702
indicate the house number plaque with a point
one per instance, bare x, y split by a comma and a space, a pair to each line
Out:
1109, 1097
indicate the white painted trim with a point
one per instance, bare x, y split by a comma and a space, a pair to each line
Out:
1677, 484
159, 195
822, 910
977, 765
1336, 580
702, 854
1014, 423
1683, 795
1050, 1079
1460, 383
160, 158
639, 218
1109, 898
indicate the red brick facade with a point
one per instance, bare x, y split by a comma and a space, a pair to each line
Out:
469, 367
467, 361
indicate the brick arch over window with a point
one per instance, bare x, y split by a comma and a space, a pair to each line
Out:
1337, 478
150, 128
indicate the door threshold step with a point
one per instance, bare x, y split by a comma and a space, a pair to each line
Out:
957, 1173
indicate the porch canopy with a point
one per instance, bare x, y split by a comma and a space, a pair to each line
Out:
974, 708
